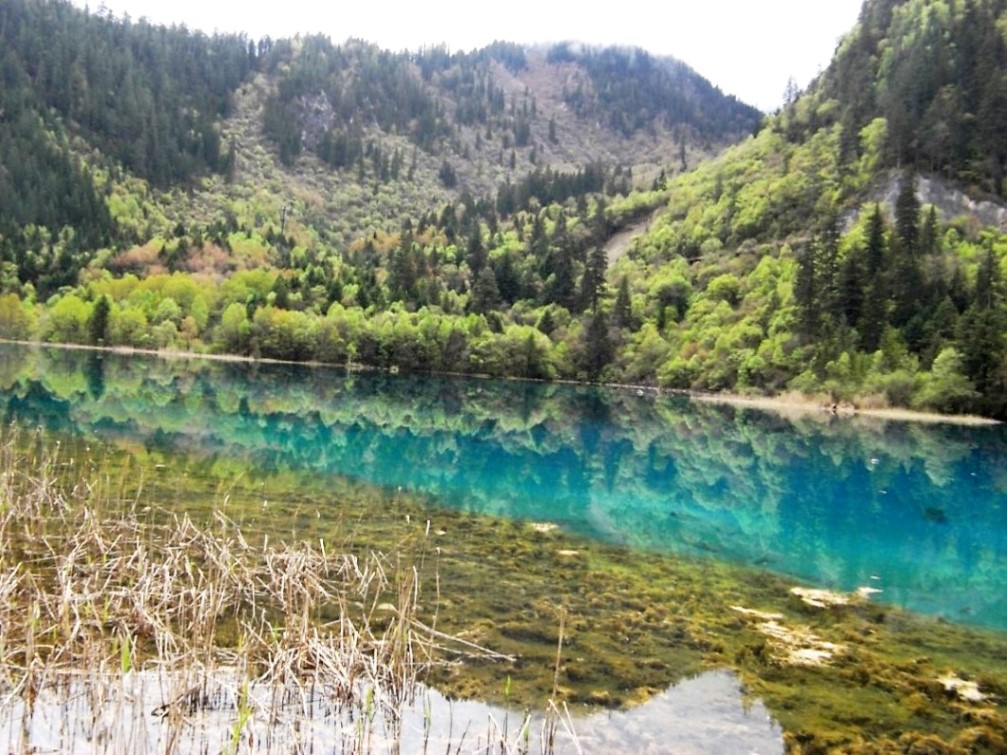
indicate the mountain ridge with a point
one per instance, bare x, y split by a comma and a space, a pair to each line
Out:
147, 104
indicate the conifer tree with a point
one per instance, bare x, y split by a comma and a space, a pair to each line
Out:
592, 284
807, 291
485, 293
598, 345
97, 325
622, 312
874, 312
905, 270
476, 252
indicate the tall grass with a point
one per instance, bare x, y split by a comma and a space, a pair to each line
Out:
128, 628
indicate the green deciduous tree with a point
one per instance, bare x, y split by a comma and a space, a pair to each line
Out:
17, 321
947, 389
66, 321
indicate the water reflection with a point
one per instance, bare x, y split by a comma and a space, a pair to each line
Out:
704, 714
917, 511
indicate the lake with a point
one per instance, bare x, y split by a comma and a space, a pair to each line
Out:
653, 522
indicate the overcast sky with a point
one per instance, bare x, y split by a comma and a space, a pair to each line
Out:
745, 47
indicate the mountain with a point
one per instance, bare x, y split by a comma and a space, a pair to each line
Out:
123, 130
845, 249
595, 214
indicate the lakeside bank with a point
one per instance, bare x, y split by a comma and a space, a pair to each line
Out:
791, 405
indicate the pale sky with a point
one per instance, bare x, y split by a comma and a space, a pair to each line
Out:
748, 48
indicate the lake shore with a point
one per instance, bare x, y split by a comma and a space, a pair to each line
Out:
790, 405
798, 405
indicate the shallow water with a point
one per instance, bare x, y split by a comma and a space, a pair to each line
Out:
127, 713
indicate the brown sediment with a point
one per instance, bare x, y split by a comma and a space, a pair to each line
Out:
799, 406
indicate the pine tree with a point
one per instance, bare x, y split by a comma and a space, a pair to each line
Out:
508, 282
874, 254
403, 273
476, 252
989, 283
447, 175
907, 213
597, 345
561, 286
874, 316
851, 288
874, 313
807, 291
905, 271
546, 323
485, 293
623, 309
981, 343
929, 234
97, 325
592, 283
827, 264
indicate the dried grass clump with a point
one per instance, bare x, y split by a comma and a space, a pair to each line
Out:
127, 623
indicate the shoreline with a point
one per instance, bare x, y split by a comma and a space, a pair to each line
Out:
790, 405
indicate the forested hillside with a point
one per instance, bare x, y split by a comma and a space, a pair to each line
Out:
118, 133
86, 95
773, 268
454, 211
934, 72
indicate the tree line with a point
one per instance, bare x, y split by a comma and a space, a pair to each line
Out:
901, 305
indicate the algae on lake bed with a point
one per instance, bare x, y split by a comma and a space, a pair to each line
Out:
637, 623
633, 623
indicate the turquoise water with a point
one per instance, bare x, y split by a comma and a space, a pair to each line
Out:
917, 511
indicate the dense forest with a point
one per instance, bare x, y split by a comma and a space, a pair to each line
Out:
74, 85
441, 211
935, 73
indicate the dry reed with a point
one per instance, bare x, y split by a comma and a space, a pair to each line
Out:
127, 628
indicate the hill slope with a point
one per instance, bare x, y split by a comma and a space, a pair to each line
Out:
772, 266
477, 124
123, 131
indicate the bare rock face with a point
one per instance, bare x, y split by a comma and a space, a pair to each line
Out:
950, 201
317, 117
